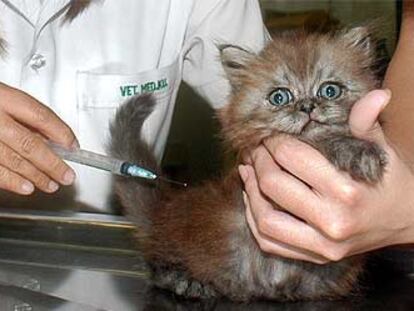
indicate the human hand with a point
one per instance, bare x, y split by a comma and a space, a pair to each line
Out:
326, 215
26, 161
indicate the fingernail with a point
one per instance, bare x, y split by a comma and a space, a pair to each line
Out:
385, 99
245, 199
52, 186
75, 145
27, 187
388, 91
247, 157
243, 172
69, 177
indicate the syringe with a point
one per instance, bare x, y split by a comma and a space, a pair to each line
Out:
107, 163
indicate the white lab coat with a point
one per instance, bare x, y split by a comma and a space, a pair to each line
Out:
114, 49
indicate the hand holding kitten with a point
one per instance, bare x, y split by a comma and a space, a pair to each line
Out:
341, 217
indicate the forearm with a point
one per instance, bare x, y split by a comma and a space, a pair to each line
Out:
399, 114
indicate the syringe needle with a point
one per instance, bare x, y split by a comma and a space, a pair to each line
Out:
183, 184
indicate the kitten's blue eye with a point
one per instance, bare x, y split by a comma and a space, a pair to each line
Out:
280, 97
330, 91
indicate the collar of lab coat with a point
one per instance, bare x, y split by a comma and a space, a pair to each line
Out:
39, 13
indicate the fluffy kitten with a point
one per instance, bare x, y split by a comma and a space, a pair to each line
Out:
197, 241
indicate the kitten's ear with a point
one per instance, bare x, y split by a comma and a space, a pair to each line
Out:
360, 38
234, 60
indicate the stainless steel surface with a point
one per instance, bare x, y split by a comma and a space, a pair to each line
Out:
82, 262
77, 262
14, 297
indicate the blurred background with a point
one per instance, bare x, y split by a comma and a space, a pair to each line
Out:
193, 149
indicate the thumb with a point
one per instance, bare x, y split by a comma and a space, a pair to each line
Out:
363, 119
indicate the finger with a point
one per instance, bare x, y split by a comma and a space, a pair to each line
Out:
16, 163
35, 150
287, 230
273, 224
246, 157
368, 242
11, 181
277, 248
363, 118
284, 189
26, 109
306, 163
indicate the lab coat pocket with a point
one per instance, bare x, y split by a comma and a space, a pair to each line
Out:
98, 96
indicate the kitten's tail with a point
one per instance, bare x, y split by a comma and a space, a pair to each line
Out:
137, 196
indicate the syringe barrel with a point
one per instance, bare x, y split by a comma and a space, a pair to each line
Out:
107, 163
88, 158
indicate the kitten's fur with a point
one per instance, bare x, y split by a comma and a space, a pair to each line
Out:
197, 241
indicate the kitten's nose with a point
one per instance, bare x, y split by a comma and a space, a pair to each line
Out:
306, 106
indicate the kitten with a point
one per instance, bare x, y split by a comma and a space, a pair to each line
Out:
197, 241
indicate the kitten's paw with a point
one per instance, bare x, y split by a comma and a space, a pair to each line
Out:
363, 160
369, 164
179, 283
193, 289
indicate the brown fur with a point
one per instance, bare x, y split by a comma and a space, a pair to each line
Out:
197, 241
76, 8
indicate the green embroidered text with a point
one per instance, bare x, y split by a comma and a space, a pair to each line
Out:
148, 87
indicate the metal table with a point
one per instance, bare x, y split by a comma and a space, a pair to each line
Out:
88, 262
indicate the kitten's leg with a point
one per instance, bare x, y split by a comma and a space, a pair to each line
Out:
363, 160
182, 285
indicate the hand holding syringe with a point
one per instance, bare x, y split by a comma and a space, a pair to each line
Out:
108, 163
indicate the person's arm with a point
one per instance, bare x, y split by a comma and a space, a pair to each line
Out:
26, 161
399, 115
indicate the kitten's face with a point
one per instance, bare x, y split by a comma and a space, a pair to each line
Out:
304, 85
